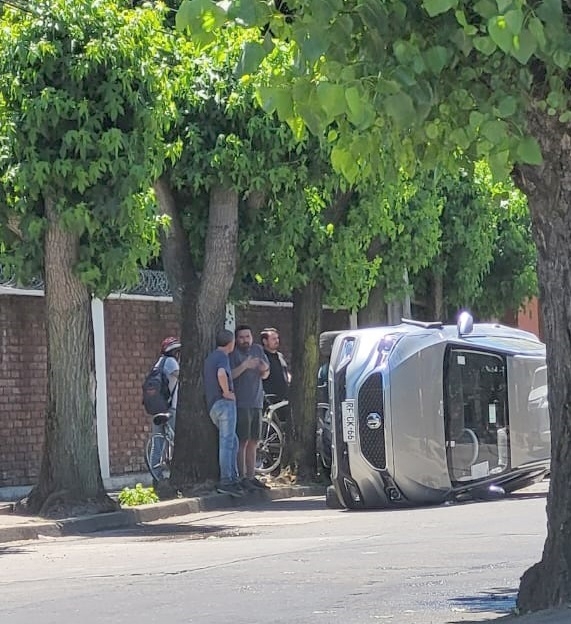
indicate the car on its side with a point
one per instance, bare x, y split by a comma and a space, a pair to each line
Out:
426, 412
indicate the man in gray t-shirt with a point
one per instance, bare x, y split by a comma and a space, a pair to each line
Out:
249, 366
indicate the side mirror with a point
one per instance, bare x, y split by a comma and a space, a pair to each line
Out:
465, 323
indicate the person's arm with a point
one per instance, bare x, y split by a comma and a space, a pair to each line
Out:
249, 362
264, 366
223, 383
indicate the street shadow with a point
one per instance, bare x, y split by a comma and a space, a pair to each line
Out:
288, 504
500, 601
13, 550
525, 496
173, 531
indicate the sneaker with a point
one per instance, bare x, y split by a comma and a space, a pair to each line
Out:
247, 485
232, 489
258, 484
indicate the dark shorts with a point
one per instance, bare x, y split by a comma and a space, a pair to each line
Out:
249, 423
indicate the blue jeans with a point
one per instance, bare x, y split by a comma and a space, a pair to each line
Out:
223, 415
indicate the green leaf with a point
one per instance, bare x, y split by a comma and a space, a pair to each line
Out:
185, 15
499, 165
248, 12
331, 97
276, 99
550, 11
494, 131
460, 138
198, 15
507, 106
297, 126
436, 59
476, 119
401, 108
529, 152
436, 7
354, 101
344, 163
252, 55
485, 45
432, 131
535, 26
514, 21
561, 58
486, 8
500, 34
524, 47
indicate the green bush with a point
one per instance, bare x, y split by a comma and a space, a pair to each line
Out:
139, 495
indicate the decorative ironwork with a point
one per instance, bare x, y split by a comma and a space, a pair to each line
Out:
153, 283
150, 284
7, 279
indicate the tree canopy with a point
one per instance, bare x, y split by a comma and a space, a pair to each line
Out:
429, 83
78, 143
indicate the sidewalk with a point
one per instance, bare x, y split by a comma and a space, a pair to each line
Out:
15, 527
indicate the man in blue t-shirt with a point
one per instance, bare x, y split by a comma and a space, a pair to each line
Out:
249, 366
221, 402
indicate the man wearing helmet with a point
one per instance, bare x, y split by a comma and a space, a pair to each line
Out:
169, 361
170, 352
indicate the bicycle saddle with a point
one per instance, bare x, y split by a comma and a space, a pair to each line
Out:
161, 419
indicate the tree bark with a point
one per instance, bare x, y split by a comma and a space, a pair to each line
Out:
70, 476
203, 297
548, 188
175, 252
374, 313
307, 303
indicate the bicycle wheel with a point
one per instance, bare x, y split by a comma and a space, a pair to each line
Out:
270, 448
160, 468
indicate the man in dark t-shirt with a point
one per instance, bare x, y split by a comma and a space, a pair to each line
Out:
276, 386
277, 382
221, 402
249, 366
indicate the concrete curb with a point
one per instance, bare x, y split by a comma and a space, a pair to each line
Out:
131, 516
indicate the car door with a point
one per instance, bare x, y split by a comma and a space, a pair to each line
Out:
475, 414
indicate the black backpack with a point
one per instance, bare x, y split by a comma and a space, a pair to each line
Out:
156, 394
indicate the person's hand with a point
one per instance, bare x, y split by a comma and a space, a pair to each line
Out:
252, 362
229, 396
263, 367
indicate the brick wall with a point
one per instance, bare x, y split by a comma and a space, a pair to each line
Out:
133, 334
134, 331
23, 387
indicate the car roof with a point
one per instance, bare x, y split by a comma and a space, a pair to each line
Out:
490, 336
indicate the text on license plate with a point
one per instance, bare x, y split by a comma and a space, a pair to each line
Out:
349, 420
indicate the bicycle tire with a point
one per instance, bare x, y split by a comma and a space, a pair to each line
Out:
270, 448
161, 471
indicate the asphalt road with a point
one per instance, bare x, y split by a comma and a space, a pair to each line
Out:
290, 561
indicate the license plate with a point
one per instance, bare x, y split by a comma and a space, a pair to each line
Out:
349, 420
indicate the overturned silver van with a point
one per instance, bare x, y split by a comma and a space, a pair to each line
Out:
422, 413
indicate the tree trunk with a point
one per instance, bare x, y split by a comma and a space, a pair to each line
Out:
548, 187
374, 313
175, 251
204, 301
70, 476
438, 296
307, 303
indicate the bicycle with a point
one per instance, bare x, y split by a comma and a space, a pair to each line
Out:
160, 469
270, 447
